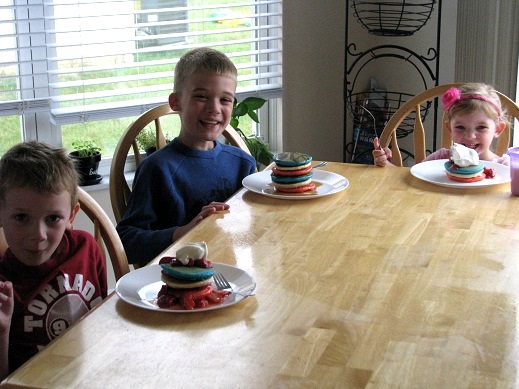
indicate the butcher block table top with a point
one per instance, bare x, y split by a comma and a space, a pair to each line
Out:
391, 282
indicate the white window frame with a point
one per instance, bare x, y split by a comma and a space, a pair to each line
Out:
34, 104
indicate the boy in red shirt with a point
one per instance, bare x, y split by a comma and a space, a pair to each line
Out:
50, 275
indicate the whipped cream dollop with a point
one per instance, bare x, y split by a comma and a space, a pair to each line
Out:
196, 250
464, 156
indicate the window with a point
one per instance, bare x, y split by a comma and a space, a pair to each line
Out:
72, 69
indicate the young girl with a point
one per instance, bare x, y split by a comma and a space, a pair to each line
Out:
474, 117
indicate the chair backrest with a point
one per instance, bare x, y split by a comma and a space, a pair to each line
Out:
3, 243
388, 135
119, 188
104, 233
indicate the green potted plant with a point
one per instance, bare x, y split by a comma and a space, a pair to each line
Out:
257, 148
147, 141
86, 154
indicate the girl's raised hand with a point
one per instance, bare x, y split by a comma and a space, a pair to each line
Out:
381, 156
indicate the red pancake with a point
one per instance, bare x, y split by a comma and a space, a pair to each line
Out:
300, 172
299, 189
471, 179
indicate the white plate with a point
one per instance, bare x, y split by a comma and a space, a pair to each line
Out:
327, 183
434, 172
140, 287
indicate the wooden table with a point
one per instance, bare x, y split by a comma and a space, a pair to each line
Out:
393, 282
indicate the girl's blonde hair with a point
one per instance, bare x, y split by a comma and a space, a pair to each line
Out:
489, 103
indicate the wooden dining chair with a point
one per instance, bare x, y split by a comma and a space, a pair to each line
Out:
3, 242
388, 136
104, 233
119, 188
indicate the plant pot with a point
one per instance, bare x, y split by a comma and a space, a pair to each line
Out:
87, 168
150, 150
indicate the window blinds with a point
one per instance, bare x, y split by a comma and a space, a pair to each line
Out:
87, 60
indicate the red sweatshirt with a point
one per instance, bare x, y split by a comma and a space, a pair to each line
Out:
50, 297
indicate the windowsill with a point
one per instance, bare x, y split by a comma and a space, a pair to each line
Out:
102, 185
105, 182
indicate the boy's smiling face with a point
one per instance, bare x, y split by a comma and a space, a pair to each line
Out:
34, 223
205, 105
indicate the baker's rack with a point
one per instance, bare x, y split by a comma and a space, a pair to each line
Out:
369, 110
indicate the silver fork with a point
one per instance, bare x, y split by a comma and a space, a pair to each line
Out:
324, 163
222, 284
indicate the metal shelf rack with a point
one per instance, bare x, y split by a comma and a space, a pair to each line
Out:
367, 111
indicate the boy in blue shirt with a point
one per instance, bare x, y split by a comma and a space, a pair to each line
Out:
191, 177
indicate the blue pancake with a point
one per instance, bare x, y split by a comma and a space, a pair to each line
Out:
464, 170
292, 159
187, 273
290, 179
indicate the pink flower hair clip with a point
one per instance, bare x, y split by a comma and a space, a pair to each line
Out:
451, 97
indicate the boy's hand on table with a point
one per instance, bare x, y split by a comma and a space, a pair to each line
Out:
206, 211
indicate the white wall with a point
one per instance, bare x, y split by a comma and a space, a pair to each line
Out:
313, 71
313, 74
488, 49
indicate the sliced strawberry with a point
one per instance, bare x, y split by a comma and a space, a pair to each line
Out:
165, 260
217, 296
189, 299
489, 172
202, 303
189, 296
203, 263
173, 261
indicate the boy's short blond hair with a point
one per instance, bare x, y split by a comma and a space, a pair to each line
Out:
40, 167
200, 60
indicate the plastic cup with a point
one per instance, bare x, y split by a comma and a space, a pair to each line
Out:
513, 152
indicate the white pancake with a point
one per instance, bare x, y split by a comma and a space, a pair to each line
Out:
466, 175
299, 167
183, 284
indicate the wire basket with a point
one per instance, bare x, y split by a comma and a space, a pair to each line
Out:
373, 115
393, 18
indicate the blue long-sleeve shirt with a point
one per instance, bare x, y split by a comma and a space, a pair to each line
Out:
170, 188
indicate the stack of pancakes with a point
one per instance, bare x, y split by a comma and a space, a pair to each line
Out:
473, 173
292, 173
175, 275
188, 279
464, 165
186, 287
